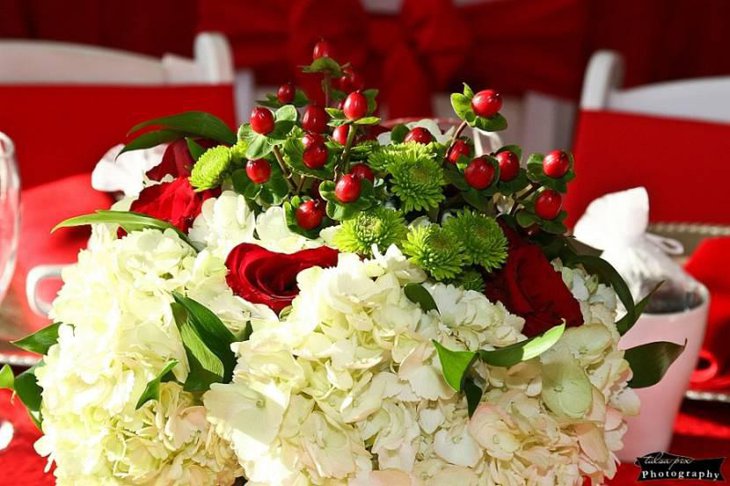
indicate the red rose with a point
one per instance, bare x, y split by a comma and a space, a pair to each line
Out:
264, 277
175, 202
177, 161
529, 286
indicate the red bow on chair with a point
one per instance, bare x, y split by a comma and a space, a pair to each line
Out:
408, 56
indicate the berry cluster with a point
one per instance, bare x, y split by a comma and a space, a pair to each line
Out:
334, 166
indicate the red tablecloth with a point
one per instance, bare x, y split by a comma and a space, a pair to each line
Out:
701, 430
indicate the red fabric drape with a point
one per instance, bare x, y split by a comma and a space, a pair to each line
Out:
682, 163
63, 130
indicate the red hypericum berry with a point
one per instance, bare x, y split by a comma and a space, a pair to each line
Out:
356, 106
322, 49
339, 134
509, 165
362, 171
460, 148
548, 204
348, 188
556, 164
315, 119
309, 214
479, 174
310, 139
357, 82
315, 156
285, 94
258, 170
262, 120
419, 135
486, 103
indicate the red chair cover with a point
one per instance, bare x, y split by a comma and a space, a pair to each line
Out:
683, 164
64, 130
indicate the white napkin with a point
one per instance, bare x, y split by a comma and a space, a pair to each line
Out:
127, 172
616, 223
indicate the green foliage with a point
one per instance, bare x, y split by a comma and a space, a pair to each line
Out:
377, 226
211, 168
649, 362
524, 350
469, 279
418, 294
483, 240
40, 341
128, 220
454, 365
437, 251
152, 390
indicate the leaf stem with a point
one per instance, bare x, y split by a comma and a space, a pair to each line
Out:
300, 185
284, 170
455, 137
533, 188
345, 160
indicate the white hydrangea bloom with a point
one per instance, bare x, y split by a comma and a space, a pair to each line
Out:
223, 223
118, 334
347, 389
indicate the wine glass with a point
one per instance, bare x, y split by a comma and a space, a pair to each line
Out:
9, 212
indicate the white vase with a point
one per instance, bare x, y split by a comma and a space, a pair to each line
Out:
652, 429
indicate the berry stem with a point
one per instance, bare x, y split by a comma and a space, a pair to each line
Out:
284, 170
533, 188
327, 87
345, 161
300, 185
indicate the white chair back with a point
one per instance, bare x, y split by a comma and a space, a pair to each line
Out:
45, 62
700, 99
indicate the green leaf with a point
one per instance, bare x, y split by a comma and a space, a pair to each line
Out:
398, 133
195, 149
280, 132
300, 99
371, 95
258, 146
649, 362
468, 92
473, 395
335, 112
525, 218
492, 124
368, 120
462, 106
205, 367
216, 336
524, 350
152, 139
152, 390
417, 294
196, 123
128, 220
27, 389
40, 341
454, 365
7, 379
286, 113
324, 64
624, 324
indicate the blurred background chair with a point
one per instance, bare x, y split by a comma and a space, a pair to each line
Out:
66, 105
673, 138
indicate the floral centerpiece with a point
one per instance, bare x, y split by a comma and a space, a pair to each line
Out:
318, 299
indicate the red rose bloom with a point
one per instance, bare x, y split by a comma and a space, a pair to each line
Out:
264, 277
177, 161
175, 202
529, 286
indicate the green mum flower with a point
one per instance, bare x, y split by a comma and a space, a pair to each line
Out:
210, 168
383, 156
435, 250
483, 239
417, 181
379, 226
238, 151
470, 279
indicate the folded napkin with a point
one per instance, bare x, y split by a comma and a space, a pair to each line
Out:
710, 264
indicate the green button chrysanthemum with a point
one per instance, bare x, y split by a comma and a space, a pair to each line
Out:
418, 183
210, 168
469, 279
435, 250
483, 239
379, 226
